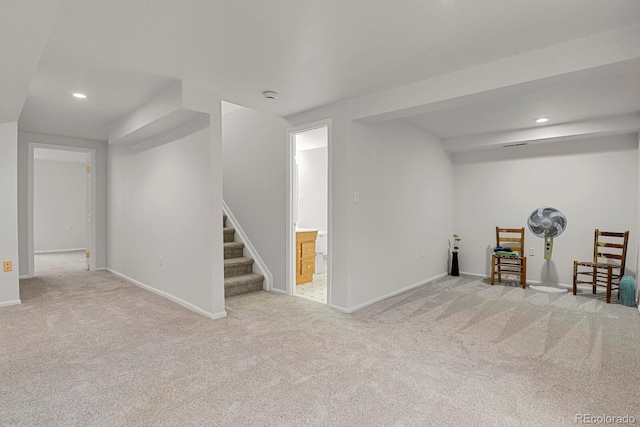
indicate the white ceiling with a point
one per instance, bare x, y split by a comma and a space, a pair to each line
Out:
122, 52
60, 155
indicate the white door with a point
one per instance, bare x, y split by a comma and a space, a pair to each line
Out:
89, 213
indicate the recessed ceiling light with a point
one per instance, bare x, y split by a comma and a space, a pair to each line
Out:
80, 95
542, 120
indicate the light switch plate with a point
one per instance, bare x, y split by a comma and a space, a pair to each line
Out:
7, 266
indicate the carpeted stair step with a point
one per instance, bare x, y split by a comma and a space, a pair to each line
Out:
224, 220
229, 234
233, 250
237, 266
243, 284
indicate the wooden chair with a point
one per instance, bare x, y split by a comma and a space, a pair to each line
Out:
607, 267
512, 238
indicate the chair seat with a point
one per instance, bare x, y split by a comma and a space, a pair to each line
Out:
597, 264
509, 257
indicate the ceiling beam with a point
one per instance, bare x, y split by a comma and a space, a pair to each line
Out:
614, 125
499, 78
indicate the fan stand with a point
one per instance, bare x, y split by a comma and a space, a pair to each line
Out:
548, 289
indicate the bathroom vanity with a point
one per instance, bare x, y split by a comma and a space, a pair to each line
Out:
305, 255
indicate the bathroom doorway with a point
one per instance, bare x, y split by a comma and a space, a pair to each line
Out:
309, 230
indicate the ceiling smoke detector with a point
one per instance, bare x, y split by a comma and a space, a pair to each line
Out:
269, 94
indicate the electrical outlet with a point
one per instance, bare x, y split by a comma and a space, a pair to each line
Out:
356, 197
7, 266
532, 251
160, 260
422, 253
69, 228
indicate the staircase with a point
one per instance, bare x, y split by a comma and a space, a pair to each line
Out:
239, 277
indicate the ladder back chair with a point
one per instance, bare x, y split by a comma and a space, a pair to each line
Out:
607, 267
512, 238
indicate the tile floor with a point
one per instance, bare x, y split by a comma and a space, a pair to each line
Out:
315, 290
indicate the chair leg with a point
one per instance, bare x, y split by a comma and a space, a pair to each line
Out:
575, 277
609, 271
493, 268
523, 277
499, 270
595, 278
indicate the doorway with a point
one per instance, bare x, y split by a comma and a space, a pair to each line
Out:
309, 216
61, 202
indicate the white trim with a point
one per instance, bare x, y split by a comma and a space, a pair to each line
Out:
290, 276
532, 282
101, 268
170, 297
26, 276
10, 303
472, 274
30, 192
242, 236
55, 251
278, 291
390, 294
339, 308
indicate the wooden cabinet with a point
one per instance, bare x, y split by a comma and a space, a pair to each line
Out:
305, 256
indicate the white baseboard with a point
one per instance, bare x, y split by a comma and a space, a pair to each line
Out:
339, 308
473, 274
532, 282
278, 291
26, 276
55, 251
389, 295
253, 253
100, 269
10, 303
170, 297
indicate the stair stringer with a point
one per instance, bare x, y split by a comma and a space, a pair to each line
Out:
259, 264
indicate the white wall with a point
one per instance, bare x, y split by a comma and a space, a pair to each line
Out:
312, 188
405, 183
59, 202
9, 284
593, 182
254, 165
100, 256
160, 204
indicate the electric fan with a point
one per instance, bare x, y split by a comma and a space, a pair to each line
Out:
547, 223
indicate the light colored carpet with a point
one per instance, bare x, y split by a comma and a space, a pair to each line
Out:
89, 349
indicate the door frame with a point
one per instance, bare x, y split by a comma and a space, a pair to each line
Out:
291, 200
91, 237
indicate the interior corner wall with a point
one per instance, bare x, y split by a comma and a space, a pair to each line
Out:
101, 192
9, 283
638, 223
399, 231
592, 187
254, 181
160, 210
59, 206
